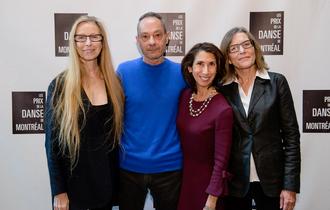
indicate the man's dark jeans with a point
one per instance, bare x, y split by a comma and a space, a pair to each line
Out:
164, 189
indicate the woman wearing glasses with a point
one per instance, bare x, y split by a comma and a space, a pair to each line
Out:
84, 122
265, 154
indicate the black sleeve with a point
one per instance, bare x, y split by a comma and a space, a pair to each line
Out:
54, 160
291, 137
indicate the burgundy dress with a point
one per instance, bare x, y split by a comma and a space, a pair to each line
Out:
205, 141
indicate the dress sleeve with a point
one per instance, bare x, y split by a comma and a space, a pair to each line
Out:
223, 137
55, 166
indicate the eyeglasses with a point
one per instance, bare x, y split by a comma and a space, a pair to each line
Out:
92, 37
236, 47
156, 36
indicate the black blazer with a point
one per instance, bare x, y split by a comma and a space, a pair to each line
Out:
270, 132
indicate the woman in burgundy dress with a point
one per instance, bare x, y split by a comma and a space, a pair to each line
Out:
205, 126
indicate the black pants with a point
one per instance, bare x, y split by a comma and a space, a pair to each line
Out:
164, 189
262, 201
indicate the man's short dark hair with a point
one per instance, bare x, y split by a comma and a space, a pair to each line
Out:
151, 14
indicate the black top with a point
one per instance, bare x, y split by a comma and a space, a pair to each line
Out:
91, 182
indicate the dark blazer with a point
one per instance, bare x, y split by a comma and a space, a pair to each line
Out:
93, 180
270, 132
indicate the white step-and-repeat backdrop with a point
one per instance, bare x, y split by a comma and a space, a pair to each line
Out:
294, 36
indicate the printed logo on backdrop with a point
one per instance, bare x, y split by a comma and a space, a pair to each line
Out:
268, 29
316, 111
176, 26
63, 23
28, 112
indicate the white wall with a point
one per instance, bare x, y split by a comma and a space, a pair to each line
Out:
28, 63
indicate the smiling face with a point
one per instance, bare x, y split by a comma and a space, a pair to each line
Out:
152, 40
203, 69
90, 47
243, 53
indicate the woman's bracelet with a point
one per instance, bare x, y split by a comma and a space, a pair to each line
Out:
208, 208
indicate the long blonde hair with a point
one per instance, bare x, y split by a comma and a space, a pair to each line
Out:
69, 104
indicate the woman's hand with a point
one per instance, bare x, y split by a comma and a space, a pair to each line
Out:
287, 200
211, 203
61, 202
208, 208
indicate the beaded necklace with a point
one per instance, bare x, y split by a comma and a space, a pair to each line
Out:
197, 112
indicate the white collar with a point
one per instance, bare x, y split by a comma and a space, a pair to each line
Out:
263, 74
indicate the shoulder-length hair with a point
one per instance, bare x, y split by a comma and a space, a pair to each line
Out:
69, 107
189, 59
225, 44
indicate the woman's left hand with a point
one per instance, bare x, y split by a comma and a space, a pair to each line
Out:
287, 200
211, 202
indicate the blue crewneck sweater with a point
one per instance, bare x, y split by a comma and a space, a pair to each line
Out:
150, 140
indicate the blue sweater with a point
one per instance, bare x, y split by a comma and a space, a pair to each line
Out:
150, 140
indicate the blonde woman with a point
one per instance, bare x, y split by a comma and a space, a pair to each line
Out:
83, 120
